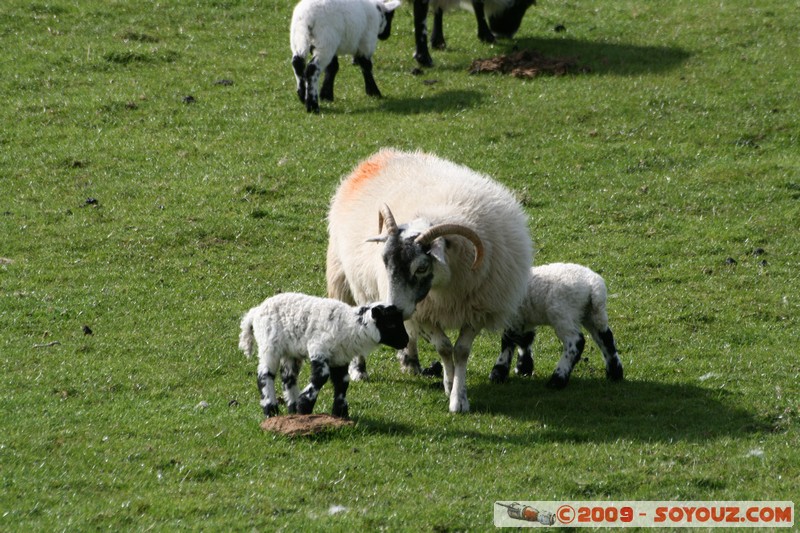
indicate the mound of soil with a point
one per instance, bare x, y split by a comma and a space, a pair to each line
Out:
297, 425
527, 64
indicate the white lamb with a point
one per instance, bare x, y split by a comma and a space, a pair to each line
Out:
564, 296
327, 28
291, 327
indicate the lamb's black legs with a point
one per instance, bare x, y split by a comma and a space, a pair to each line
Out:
326, 93
320, 372
369, 81
510, 340
340, 380
422, 55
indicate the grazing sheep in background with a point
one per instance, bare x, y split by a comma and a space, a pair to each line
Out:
292, 327
564, 296
459, 260
505, 17
327, 28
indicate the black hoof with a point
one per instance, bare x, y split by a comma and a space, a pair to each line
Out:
271, 409
525, 366
557, 382
433, 371
424, 60
614, 372
305, 406
499, 374
340, 409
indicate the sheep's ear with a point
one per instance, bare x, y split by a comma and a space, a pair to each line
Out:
391, 6
438, 248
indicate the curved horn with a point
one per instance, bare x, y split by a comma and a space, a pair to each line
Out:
385, 216
441, 230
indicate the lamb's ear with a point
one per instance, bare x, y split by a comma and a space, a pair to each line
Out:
378, 312
391, 6
438, 250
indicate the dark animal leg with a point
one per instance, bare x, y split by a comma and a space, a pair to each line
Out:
299, 66
605, 340
525, 359
573, 348
422, 55
437, 35
369, 82
484, 33
266, 387
289, 371
340, 380
326, 93
312, 84
319, 376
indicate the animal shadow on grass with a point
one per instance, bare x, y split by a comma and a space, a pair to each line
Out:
435, 102
591, 410
605, 58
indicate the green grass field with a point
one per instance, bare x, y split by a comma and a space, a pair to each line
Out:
672, 168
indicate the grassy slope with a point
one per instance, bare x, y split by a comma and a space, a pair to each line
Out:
677, 152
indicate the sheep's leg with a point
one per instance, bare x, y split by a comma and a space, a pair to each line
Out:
289, 371
444, 348
573, 348
484, 33
508, 344
267, 369
437, 35
409, 356
605, 341
299, 66
421, 54
312, 86
320, 372
358, 369
525, 358
340, 380
369, 81
326, 93
458, 395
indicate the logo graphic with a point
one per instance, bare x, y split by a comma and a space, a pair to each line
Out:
518, 511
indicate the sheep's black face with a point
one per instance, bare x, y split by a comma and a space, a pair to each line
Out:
506, 23
387, 26
410, 271
389, 320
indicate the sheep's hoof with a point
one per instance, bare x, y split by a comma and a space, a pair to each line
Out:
487, 37
340, 409
305, 406
424, 60
499, 374
291, 408
614, 371
271, 409
433, 371
557, 382
459, 402
524, 366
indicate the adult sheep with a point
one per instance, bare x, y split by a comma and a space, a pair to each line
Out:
453, 252
505, 17
327, 28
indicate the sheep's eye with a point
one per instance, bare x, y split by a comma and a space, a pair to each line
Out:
423, 270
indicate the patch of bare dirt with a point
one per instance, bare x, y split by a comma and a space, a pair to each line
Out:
299, 425
528, 64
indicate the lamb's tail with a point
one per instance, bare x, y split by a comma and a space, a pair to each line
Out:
246, 337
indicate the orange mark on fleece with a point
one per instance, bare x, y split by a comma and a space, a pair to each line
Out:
366, 171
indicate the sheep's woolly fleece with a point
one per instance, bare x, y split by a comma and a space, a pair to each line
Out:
302, 425
528, 64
